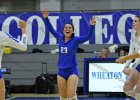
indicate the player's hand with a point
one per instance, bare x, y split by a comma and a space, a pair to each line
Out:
22, 24
126, 70
45, 13
93, 21
122, 59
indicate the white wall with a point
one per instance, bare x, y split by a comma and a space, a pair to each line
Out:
86, 4
125, 4
64, 5
52, 5
17, 5
99, 4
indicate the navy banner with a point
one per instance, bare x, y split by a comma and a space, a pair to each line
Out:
111, 27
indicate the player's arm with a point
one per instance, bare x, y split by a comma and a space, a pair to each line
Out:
126, 58
49, 25
127, 70
84, 38
123, 59
133, 56
15, 43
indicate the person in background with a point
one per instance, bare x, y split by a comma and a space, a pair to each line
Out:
103, 54
7, 40
121, 52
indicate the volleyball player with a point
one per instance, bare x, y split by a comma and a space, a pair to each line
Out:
67, 76
7, 40
134, 71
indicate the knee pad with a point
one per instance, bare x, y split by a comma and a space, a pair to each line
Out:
73, 98
130, 93
137, 96
63, 98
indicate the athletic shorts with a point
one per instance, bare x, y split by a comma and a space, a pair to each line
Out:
65, 73
0, 74
137, 67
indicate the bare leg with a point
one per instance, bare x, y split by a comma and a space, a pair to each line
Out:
2, 89
72, 87
62, 86
130, 83
137, 89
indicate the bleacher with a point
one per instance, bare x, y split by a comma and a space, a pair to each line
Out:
26, 66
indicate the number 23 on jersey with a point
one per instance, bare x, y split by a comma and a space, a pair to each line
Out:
64, 50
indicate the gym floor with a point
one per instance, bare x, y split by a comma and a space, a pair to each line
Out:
56, 97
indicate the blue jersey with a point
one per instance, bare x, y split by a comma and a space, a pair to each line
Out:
68, 50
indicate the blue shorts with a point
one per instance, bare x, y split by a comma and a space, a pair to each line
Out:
137, 67
65, 73
0, 74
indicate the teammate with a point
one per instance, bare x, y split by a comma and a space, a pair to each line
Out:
7, 40
134, 70
67, 76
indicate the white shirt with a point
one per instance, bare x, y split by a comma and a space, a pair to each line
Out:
7, 40
134, 48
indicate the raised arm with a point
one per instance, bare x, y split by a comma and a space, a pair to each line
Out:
49, 25
8, 40
18, 44
84, 38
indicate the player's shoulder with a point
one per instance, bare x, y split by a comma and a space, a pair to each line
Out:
133, 36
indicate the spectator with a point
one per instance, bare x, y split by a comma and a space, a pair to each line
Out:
103, 54
121, 52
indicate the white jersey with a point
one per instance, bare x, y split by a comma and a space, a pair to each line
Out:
7, 40
134, 48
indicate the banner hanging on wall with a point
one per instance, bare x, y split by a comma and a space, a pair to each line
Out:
111, 27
